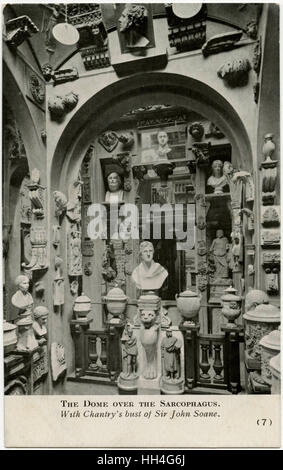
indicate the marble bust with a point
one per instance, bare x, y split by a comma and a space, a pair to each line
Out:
133, 25
148, 275
114, 194
217, 180
22, 299
40, 314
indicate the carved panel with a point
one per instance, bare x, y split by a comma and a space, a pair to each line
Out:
74, 252
270, 237
221, 42
253, 333
37, 89
87, 248
59, 106
19, 30
108, 140
270, 216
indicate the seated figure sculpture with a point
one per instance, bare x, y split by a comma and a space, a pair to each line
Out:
217, 180
133, 25
148, 275
115, 193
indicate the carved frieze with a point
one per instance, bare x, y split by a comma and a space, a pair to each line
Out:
37, 89
19, 30
270, 237
270, 259
256, 61
221, 42
38, 240
65, 75
235, 73
94, 59
270, 216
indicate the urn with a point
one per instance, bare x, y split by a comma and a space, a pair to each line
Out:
10, 337
188, 304
116, 301
270, 347
82, 306
231, 306
258, 323
276, 375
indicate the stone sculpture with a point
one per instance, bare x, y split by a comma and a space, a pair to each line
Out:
170, 353
148, 275
22, 299
129, 353
115, 193
219, 255
133, 25
217, 180
149, 336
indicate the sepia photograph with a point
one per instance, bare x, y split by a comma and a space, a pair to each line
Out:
141, 205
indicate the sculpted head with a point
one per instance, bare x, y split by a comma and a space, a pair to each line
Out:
114, 182
22, 282
219, 233
146, 251
162, 138
217, 167
133, 17
147, 317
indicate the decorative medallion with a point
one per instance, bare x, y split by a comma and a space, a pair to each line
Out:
108, 140
36, 89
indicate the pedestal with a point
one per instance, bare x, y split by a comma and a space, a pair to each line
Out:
233, 338
78, 329
191, 354
127, 385
172, 387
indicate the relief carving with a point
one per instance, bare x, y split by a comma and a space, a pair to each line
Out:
197, 131
74, 252
235, 73
19, 30
37, 89
108, 140
270, 216
59, 106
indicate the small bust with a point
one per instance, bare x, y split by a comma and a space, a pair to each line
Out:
40, 314
217, 180
22, 299
115, 193
148, 275
133, 24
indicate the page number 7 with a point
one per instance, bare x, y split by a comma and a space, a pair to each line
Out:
264, 422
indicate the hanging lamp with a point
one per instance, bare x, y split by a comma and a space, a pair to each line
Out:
66, 33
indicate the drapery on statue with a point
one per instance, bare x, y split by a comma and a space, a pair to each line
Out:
170, 353
115, 192
129, 353
133, 24
219, 254
217, 180
148, 275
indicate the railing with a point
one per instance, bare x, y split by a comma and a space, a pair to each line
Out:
212, 361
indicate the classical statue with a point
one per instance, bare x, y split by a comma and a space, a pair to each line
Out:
133, 25
217, 180
115, 193
159, 154
130, 352
148, 275
22, 299
219, 254
170, 353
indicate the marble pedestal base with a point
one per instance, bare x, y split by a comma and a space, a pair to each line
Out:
127, 384
172, 387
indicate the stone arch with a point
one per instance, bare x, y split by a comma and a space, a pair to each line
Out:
140, 90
